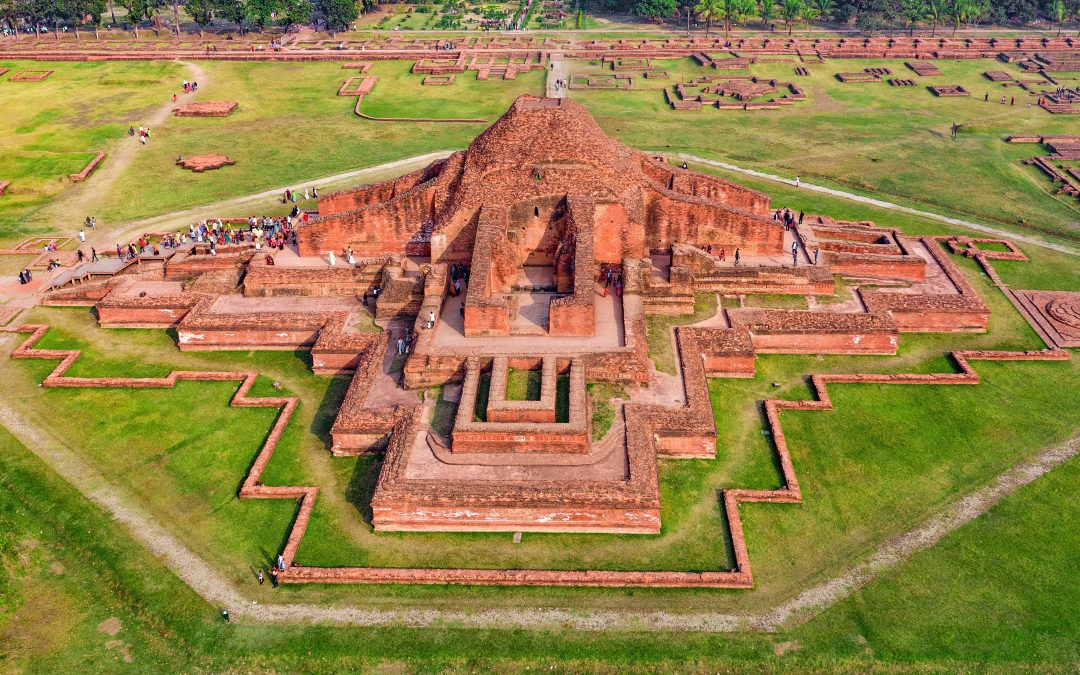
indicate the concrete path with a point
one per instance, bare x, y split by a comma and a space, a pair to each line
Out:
978, 227
557, 71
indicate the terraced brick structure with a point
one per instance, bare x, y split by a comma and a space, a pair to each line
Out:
518, 272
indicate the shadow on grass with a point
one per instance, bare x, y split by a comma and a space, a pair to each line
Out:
324, 417
361, 487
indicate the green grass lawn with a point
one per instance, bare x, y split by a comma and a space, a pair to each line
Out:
53, 128
523, 385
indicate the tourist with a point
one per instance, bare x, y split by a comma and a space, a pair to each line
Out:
93, 254
22, 278
461, 308
723, 254
794, 258
738, 257
800, 217
281, 562
273, 577
131, 131
987, 97
80, 255
816, 251
331, 259
260, 577
431, 318
709, 249
1002, 100
400, 346
314, 193
1012, 101
798, 181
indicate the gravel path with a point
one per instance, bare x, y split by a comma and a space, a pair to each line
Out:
1008, 234
216, 589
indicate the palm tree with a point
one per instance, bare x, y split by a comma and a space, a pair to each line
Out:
1059, 12
958, 11
809, 13
709, 10
825, 8
934, 9
767, 11
791, 10
913, 12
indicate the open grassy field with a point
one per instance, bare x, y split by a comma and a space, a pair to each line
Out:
78, 594
890, 142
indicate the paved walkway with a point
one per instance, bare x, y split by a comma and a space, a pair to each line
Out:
978, 227
557, 71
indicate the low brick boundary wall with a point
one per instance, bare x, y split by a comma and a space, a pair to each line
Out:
88, 169
30, 76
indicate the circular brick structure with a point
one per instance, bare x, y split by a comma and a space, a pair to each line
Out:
1065, 310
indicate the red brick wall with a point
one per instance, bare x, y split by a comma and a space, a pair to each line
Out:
404, 517
824, 343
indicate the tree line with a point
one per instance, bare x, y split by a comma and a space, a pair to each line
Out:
36, 15
868, 15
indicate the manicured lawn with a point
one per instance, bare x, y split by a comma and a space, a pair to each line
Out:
523, 385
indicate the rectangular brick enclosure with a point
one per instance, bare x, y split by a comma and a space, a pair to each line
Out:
30, 76
206, 109
948, 90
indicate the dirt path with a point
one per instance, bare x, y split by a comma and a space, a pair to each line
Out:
81, 200
217, 591
1029, 239
812, 601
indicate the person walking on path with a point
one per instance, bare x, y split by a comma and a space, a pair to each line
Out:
738, 257
82, 235
798, 181
400, 346
93, 254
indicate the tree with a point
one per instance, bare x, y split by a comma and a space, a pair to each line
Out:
934, 10
825, 8
294, 12
809, 13
136, 10
260, 13
913, 12
341, 13
958, 11
709, 10
655, 9
201, 12
94, 9
736, 11
791, 10
1059, 13
231, 10
767, 11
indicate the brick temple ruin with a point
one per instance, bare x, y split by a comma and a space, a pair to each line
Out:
567, 241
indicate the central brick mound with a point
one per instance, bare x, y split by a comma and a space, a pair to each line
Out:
502, 257
200, 163
30, 76
206, 109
